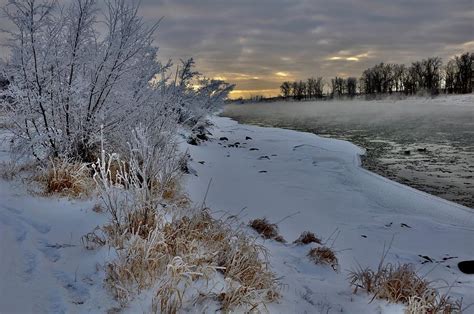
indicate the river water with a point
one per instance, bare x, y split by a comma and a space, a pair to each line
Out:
425, 143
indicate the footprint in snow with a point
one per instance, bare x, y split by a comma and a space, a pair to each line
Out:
29, 265
77, 292
19, 230
50, 252
11, 209
40, 227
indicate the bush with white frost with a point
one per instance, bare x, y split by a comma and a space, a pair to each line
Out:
76, 68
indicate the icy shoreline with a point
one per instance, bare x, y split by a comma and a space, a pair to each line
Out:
320, 184
425, 143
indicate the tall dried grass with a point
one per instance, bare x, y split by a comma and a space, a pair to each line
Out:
203, 246
67, 178
163, 245
401, 284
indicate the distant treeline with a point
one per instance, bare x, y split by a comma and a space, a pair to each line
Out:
425, 76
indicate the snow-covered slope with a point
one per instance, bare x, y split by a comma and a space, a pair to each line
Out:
309, 183
319, 183
44, 267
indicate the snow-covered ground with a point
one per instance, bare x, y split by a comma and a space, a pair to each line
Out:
319, 183
310, 183
44, 267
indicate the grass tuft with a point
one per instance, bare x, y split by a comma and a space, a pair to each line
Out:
401, 284
306, 238
66, 178
324, 255
266, 229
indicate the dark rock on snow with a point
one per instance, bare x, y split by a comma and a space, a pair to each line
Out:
192, 141
466, 267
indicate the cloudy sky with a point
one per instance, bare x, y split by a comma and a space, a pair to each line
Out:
257, 44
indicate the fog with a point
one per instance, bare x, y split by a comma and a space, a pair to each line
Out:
441, 119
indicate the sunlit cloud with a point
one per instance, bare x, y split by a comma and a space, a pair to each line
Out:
246, 93
220, 78
363, 55
282, 74
348, 56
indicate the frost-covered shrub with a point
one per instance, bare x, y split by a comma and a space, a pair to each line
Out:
69, 77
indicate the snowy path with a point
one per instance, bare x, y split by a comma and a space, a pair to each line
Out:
43, 266
279, 172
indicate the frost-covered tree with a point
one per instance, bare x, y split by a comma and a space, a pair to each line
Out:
76, 70
194, 95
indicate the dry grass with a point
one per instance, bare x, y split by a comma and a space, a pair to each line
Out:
324, 255
266, 229
433, 303
93, 240
66, 178
401, 284
306, 238
141, 222
163, 245
395, 283
186, 250
173, 193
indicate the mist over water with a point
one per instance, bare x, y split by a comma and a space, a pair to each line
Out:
427, 143
441, 119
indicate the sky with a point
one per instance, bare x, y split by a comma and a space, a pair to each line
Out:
258, 44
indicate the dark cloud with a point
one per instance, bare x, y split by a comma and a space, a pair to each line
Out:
248, 42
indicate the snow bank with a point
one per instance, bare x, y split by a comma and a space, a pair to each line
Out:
319, 183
